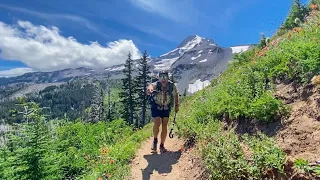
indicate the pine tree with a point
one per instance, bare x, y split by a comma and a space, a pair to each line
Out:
128, 94
101, 106
298, 10
263, 42
33, 158
97, 112
143, 80
94, 115
111, 105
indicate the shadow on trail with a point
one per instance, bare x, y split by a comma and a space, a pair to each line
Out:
160, 162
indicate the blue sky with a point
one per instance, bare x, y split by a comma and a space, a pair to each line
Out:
157, 26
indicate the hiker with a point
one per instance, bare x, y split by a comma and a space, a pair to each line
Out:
163, 95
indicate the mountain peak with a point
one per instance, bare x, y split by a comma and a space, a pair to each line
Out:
190, 40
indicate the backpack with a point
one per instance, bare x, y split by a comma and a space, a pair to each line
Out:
158, 90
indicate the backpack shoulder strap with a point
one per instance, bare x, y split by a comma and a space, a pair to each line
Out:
158, 86
170, 87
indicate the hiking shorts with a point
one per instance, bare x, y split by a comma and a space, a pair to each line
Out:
160, 113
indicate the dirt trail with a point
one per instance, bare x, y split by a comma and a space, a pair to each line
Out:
174, 164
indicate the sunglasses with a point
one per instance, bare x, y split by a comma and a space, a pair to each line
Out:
163, 76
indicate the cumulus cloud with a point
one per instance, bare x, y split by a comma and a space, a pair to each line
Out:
15, 72
44, 49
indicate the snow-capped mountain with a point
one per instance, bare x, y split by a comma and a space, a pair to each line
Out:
193, 64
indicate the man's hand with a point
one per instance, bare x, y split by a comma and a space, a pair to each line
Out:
149, 89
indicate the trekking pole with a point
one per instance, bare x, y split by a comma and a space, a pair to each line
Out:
171, 133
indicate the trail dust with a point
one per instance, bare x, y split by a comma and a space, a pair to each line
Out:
177, 163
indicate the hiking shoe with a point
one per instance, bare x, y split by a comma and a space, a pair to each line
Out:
154, 146
163, 149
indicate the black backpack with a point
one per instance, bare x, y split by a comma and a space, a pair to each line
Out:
158, 90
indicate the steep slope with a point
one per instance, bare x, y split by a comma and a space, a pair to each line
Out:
299, 135
260, 118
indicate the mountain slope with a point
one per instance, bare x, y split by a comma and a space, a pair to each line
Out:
260, 118
194, 62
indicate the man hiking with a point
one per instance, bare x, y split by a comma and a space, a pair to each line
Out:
163, 95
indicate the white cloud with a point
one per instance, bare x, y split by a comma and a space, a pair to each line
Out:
15, 72
179, 11
50, 16
42, 48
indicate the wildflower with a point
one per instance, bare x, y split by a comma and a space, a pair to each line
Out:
99, 178
289, 35
111, 161
314, 7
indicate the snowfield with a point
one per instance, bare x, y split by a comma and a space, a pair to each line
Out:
165, 64
205, 60
193, 58
198, 85
239, 49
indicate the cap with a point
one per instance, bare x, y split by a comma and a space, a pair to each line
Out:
164, 72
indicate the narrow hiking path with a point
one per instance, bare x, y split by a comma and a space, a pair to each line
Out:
174, 164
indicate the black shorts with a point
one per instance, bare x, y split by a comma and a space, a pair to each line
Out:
160, 113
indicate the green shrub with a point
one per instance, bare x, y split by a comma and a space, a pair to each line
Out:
87, 150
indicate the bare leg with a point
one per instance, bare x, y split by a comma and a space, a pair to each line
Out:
156, 125
164, 129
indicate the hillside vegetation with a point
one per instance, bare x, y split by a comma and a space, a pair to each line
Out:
58, 149
245, 92
41, 147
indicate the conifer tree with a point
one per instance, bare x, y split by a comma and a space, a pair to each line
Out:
143, 80
33, 158
128, 94
101, 107
263, 42
96, 112
111, 106
298, 10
